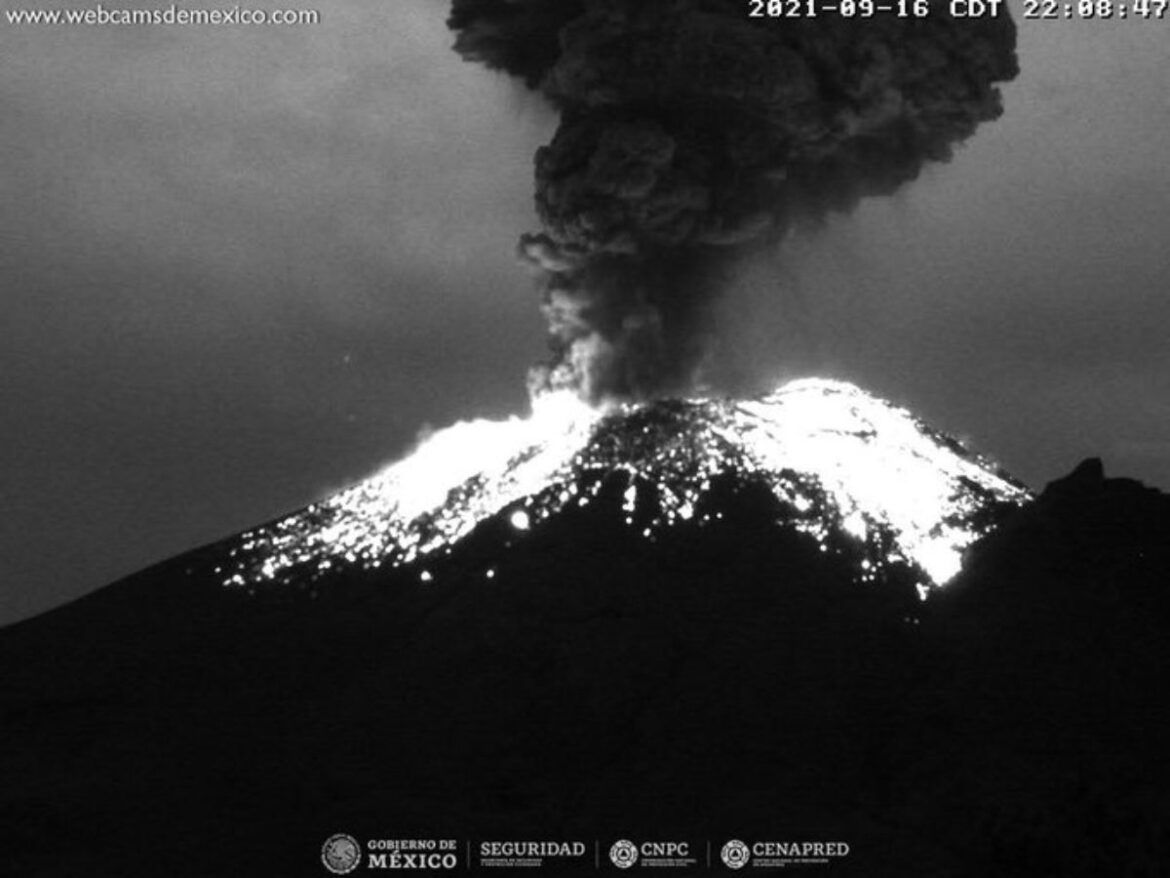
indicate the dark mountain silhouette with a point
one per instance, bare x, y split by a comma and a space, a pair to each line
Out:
729, 673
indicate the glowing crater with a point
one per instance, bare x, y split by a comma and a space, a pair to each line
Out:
841, 460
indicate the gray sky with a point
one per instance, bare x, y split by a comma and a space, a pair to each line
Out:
240, 267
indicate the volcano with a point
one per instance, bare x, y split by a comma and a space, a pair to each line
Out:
803, 617
837, 462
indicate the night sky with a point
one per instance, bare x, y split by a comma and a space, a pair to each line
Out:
242, 267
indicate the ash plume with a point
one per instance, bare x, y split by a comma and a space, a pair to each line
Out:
692, 134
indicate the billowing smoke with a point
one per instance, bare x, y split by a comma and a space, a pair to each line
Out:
692, 133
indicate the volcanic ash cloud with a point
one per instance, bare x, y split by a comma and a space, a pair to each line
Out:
692, 134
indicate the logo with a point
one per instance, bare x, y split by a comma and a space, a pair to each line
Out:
529, 854
735, 854
623, 854
341, 853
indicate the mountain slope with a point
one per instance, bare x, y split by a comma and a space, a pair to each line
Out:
838, 462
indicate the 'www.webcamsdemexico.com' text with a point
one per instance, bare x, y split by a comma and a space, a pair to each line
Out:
101, 15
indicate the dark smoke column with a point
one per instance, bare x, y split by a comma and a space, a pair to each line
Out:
692, 133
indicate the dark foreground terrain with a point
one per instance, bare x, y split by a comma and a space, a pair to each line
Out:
715, 684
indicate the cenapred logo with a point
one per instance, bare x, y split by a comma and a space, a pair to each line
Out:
623, 854
341, 853
735, 854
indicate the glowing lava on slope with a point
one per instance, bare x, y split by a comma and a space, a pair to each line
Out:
838, 460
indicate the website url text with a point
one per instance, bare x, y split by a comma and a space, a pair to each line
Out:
173, 14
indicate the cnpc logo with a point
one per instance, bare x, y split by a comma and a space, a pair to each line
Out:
624, 853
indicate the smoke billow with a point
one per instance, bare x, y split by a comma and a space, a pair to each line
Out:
692, 134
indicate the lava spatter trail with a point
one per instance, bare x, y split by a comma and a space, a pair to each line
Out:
841, 463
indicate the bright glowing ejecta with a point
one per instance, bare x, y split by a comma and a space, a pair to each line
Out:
838, 459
